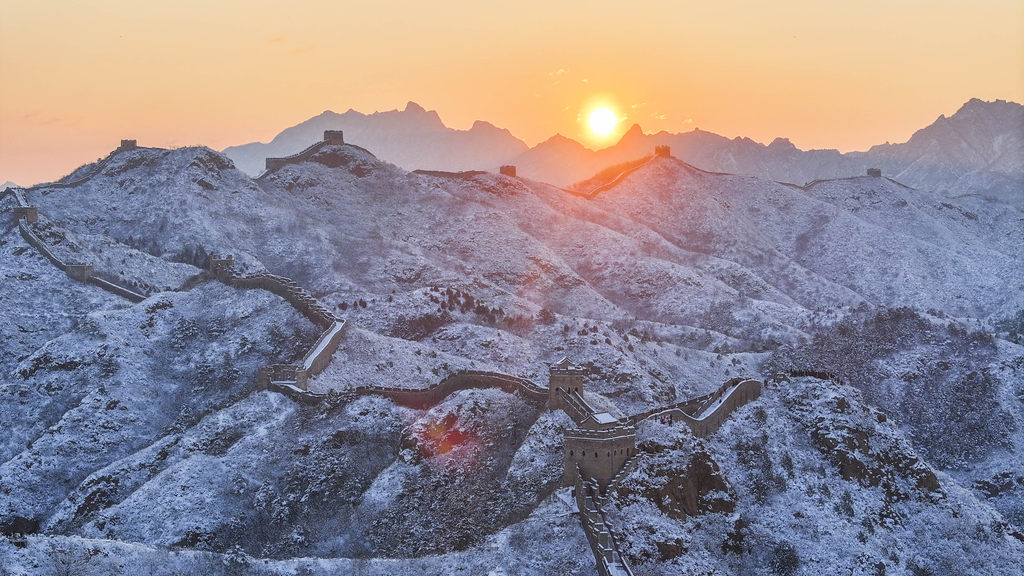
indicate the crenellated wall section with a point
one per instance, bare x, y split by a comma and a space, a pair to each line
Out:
705, 414
601, 535
317, 358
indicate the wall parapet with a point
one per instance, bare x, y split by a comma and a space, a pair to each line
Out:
280, 374
36, 242
116, 288
278, 163
599, 530
80, 272
706, 417
319, 356
462, 380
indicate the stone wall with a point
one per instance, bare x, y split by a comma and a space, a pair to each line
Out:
277, 163
319, 356
573, 404
36, 242
80, 272
116, 288
705, 415
465, 380
600, 533
286, 288
614, 182
281, 373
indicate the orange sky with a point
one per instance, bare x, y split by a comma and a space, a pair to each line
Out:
79, 76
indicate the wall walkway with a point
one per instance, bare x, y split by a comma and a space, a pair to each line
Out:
29, 234
705, 414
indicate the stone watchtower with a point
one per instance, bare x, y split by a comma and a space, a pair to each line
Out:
662, 150
336, 137
598, 454
128, 145
29, 213
507, 170
222, 268
564, 375
875, 172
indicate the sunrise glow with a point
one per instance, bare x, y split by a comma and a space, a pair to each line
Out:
602, 121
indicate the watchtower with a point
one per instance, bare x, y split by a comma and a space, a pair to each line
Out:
222, 268
507, 170
29, 213
564, 375
600, 454
336, 137
128, 145
875, 172
663, 151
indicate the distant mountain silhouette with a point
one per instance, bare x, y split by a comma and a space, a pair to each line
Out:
413, 138
980, 149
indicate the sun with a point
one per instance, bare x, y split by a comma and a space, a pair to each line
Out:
602, 121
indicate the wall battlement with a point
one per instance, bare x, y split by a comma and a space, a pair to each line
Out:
705, 415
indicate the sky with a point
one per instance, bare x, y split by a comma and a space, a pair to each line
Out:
77, 76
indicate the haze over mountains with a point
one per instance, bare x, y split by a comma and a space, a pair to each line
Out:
977, 149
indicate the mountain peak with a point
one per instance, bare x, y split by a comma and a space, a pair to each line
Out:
634, 132
483, 125
782, 144
411, 106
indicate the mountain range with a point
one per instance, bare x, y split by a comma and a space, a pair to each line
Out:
412, 138
884, 320
976, 150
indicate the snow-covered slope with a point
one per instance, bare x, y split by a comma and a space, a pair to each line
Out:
141, 423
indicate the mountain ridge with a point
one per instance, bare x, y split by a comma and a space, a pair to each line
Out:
978, 149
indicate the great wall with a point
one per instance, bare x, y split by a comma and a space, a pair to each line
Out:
598, 453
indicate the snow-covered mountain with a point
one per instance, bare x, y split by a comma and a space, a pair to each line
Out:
137, 431
412, 138
979, 148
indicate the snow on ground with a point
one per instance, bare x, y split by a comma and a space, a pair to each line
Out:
138, 424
